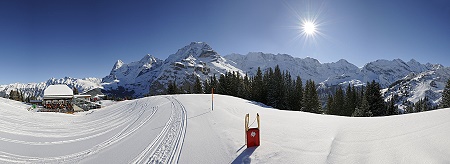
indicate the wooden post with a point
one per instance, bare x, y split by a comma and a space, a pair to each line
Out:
212, 99
247, 117
257, 118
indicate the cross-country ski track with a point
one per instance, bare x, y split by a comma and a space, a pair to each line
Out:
184, 129
79, 135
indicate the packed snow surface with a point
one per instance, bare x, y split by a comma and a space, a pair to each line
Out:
184, 129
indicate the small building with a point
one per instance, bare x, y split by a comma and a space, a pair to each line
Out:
96, 94
58, 97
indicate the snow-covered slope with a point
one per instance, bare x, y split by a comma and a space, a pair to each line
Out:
183, 129
387, 72
37, 89
416, 86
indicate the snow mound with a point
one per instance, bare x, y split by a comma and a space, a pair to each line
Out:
184, 129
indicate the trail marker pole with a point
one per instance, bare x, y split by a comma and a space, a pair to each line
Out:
212, 99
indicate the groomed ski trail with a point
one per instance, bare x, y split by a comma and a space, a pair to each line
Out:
119, 123
166, 147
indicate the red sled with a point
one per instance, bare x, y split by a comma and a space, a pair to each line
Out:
251, 134
252, 137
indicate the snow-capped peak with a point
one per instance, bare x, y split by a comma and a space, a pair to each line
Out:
117, 65
147, 59
195, 49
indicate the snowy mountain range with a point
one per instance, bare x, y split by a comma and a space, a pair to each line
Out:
150, 76
37, 89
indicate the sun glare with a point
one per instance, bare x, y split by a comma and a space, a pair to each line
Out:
309, 23
309, 28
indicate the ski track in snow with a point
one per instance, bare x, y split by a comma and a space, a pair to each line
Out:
125, 119
166, 147
155, 130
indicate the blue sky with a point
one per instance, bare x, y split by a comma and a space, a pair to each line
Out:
44, 39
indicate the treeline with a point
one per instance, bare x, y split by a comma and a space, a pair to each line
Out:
19, 95
420, 106
360, 102
278, 89
274, 87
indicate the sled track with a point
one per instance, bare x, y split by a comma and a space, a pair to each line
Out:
166, 147
132, 118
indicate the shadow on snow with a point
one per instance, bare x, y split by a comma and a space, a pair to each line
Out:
244, 157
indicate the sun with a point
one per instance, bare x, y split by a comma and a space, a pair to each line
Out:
309, 23
309, 28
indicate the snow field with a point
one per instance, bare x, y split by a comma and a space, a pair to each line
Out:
86, 136
298, 137
184, 129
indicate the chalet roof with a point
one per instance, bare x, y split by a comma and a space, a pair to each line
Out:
62, 91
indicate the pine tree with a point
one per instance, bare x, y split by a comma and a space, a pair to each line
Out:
298, 94
12, 95
374, 99
363, 110
258, 87
311, 98
270, 85
445, 102
274, 97
238, 85
198, 86
172, 88
426, 104
279, 89
391, 108
234, 84
207, 88
317, 106
409, 108
246, 88
330, 103
188, 90
307, 98
350, 100
423, 105
418, 106
223, 85
339, 102
288, 97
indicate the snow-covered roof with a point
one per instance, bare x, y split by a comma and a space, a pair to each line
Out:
82, 96
62, 91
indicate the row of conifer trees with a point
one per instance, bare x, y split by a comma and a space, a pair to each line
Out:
280, 90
